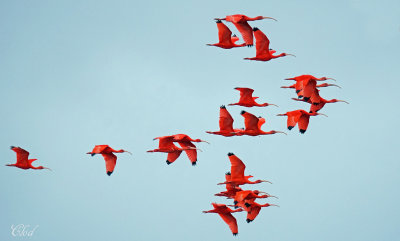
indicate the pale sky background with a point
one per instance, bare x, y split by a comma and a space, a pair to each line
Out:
79, 73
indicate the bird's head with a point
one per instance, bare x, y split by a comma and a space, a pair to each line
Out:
336, 100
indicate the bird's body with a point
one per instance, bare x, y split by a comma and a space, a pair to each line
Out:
247, 99
226, 214
316, 108
263, 52
241, 23
237, 172
225, 124
253, 125
300, 117
108, 154
22, 160
226, 40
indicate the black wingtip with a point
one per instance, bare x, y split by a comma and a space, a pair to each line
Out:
227, 173
306, 98
300, 96
247, 204
234, 35
242, 112
93, 154
235, 202
109, 173
302, 131
235, 234
12, 147
222, 107
290, 127
168, 162
194, 163
255, 29
230, 154
249, 220
297, 91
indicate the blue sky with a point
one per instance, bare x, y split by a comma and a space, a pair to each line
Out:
79, 73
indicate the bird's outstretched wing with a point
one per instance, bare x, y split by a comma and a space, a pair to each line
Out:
245, 30
225, 120
111, 161
293, 118
253, 212
246, 95
224, 33
172, 156
262, 43
191, 154
22, 155
237, 167
231, 221
250, 121
166, 142
303, 122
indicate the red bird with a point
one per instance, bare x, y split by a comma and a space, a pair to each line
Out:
253, 125
237, 172
299, 116
231, 189
22, 160
316, 108
306, 83
225, 124
247, 99
226, 40
186, 142
246, 198
293, 86
226, 214
107, 152
254, 210
240, 22
263, 52
166, 144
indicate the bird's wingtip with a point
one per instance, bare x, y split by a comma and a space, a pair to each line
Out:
109, 173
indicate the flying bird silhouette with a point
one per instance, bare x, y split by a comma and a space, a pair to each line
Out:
185, 142
22, 160
253, 125
225, 124
108, 154
226, 214
225, 37
301, 117
247, 99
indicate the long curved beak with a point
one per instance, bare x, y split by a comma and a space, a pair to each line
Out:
281, 132
219, 18
274, 105
128, 152
264, 193
266, 181
275, 205
270, 18
281, 115
206, 142
331, 79
344, 101
291, 55
322, 114
47, 168
335, 85
273, 196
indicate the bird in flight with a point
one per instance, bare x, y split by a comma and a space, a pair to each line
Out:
22, 160
185, 142
253, 125
263, 52
247, 197
226, 214
254, 210
225, 37
108, 154
231, 189
321, 104
247, 99
301, 117
166, 144
241, 23
306, 83
237, 172
225, 124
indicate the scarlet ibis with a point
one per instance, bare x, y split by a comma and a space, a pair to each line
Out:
316, 108
254, 210
263, 52
253, 125
247, 197
247, 99
185, 142
237, 172
299, 116
226, 214
166, 144
231, 189
306, 83
240, 22
226, 40
22, 160
225, 124
108, 154
293, 86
